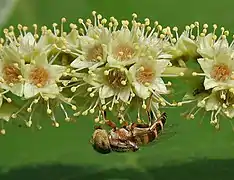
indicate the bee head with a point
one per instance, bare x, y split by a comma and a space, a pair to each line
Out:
100, 141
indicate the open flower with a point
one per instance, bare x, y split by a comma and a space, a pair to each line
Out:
124, 48
209, 47
11, 69
40, 78
111, 83
218, 71
93, 51
220, 101
146, 77
184, 48
29, 47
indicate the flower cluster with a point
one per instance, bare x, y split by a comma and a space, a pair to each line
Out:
107, 65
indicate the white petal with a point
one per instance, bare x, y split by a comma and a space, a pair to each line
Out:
30, 90
41, 59
28, 40
211, 103
206, 65
106, 92
224, 57
17, 89
210, 83
205, 42
221, 44
50, 89
124, 94
56, 71
205, 46
159, 86
141, 90
77, 63
132, 72
161, 66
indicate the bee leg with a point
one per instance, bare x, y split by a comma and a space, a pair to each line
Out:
125, 124
133, 125
111, 124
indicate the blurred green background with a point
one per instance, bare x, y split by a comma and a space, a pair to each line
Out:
185, 150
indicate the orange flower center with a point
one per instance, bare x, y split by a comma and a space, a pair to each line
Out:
124, 52
95, 53
39, 76
115, 78
145, 76
221, 72
11, 74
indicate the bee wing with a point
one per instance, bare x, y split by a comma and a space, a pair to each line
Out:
167, 133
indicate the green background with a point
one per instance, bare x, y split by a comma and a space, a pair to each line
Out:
186, 149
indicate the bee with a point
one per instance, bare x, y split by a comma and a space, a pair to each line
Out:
117, 140
128, 137
144, 133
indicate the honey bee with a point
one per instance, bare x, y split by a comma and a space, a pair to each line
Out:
128, 137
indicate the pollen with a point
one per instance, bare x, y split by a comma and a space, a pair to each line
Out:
221, 72
95, 53
116, 78
11, 74
145, 76
39, 76
124, 52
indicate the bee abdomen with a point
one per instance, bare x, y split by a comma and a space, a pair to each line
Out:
145, 138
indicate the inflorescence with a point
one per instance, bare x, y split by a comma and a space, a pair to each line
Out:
110, 65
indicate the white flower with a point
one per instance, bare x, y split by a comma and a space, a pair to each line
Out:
146, 77
93, 51
11, 69
184, 48
208, 47
28, 47
111, 82
124, 48
41, 77
219, 70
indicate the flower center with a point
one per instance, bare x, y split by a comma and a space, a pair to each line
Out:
221, 72
39, 76
95, 53
145, 75
225, 97
11, 74
124, 52
116, 78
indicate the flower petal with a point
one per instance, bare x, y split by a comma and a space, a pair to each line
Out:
206, 65
106, 92
124, 94
79, 64
211, 103
159, 86
210, 83
30, 90
141, 90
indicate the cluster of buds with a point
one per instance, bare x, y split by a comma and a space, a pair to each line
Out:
107, 65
